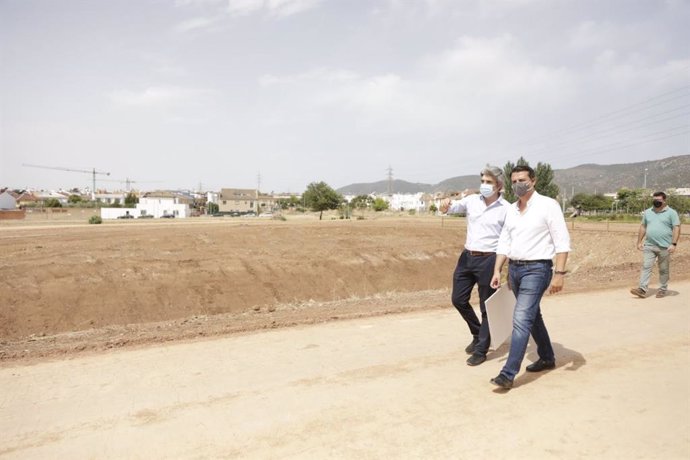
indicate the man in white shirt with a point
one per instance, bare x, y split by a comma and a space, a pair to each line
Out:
485, 215
534, 232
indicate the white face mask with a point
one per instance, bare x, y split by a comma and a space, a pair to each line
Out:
486, 190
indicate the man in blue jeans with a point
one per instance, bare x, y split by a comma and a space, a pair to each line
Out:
657, 239
534, 232
485, 215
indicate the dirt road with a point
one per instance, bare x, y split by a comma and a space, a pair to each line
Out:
393, 386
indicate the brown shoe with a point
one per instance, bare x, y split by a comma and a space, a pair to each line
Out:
660, 294
638, 292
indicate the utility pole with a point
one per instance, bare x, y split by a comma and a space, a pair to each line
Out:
645, 179
390, 181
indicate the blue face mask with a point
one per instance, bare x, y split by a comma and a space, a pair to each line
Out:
486, 190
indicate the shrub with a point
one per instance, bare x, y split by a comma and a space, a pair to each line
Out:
95, 220
52, 203
380, 204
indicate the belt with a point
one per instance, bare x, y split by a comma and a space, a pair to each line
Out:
529, 262
479, 253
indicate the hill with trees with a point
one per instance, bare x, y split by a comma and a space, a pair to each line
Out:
671, 172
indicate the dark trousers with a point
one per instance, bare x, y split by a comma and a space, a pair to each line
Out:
473, 270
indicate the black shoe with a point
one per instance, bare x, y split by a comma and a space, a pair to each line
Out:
502, 381
476, 359
469, 349
541, 365
638, 292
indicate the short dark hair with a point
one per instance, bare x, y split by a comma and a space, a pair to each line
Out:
661, 194
521, 168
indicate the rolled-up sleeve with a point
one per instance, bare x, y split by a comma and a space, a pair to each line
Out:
503, 247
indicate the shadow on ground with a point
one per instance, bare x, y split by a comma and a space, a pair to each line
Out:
566, 358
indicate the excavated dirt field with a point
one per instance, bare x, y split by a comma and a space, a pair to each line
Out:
68, 288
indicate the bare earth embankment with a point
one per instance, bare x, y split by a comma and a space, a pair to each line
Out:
75, 288
171, 340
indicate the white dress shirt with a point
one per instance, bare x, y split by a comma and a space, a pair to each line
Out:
484, 222
538, 233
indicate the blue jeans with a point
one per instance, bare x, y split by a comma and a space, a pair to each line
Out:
652, 253
473, 270
529, 283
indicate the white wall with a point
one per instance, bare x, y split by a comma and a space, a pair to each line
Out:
212, 197
114, 213
158, 207
110, 198
7, 201
406, 201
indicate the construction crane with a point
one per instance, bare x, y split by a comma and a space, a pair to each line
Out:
129, 182
93, 173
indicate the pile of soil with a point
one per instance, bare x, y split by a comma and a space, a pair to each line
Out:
73, 288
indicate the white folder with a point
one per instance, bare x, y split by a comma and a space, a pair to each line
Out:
499, 310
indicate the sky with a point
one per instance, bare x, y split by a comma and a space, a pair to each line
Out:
276, 94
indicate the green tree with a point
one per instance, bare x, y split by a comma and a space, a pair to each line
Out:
633, 201
289, 203
361, 202
680, 203
594, 202
320, 197
131, 200
213, 208
433, 208
74, 199
545, 185
53, 203
380, 204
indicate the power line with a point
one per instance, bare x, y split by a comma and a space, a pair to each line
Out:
666, 97
641, 141
608, 133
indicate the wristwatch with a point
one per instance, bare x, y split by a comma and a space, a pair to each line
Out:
559, 272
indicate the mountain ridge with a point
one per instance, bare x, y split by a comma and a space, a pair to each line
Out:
669, 172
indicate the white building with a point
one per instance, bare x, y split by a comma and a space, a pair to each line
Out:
43, 196
118, 213
212, 197
167, 205
111, 198
406, 202
7, 201
159, 206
